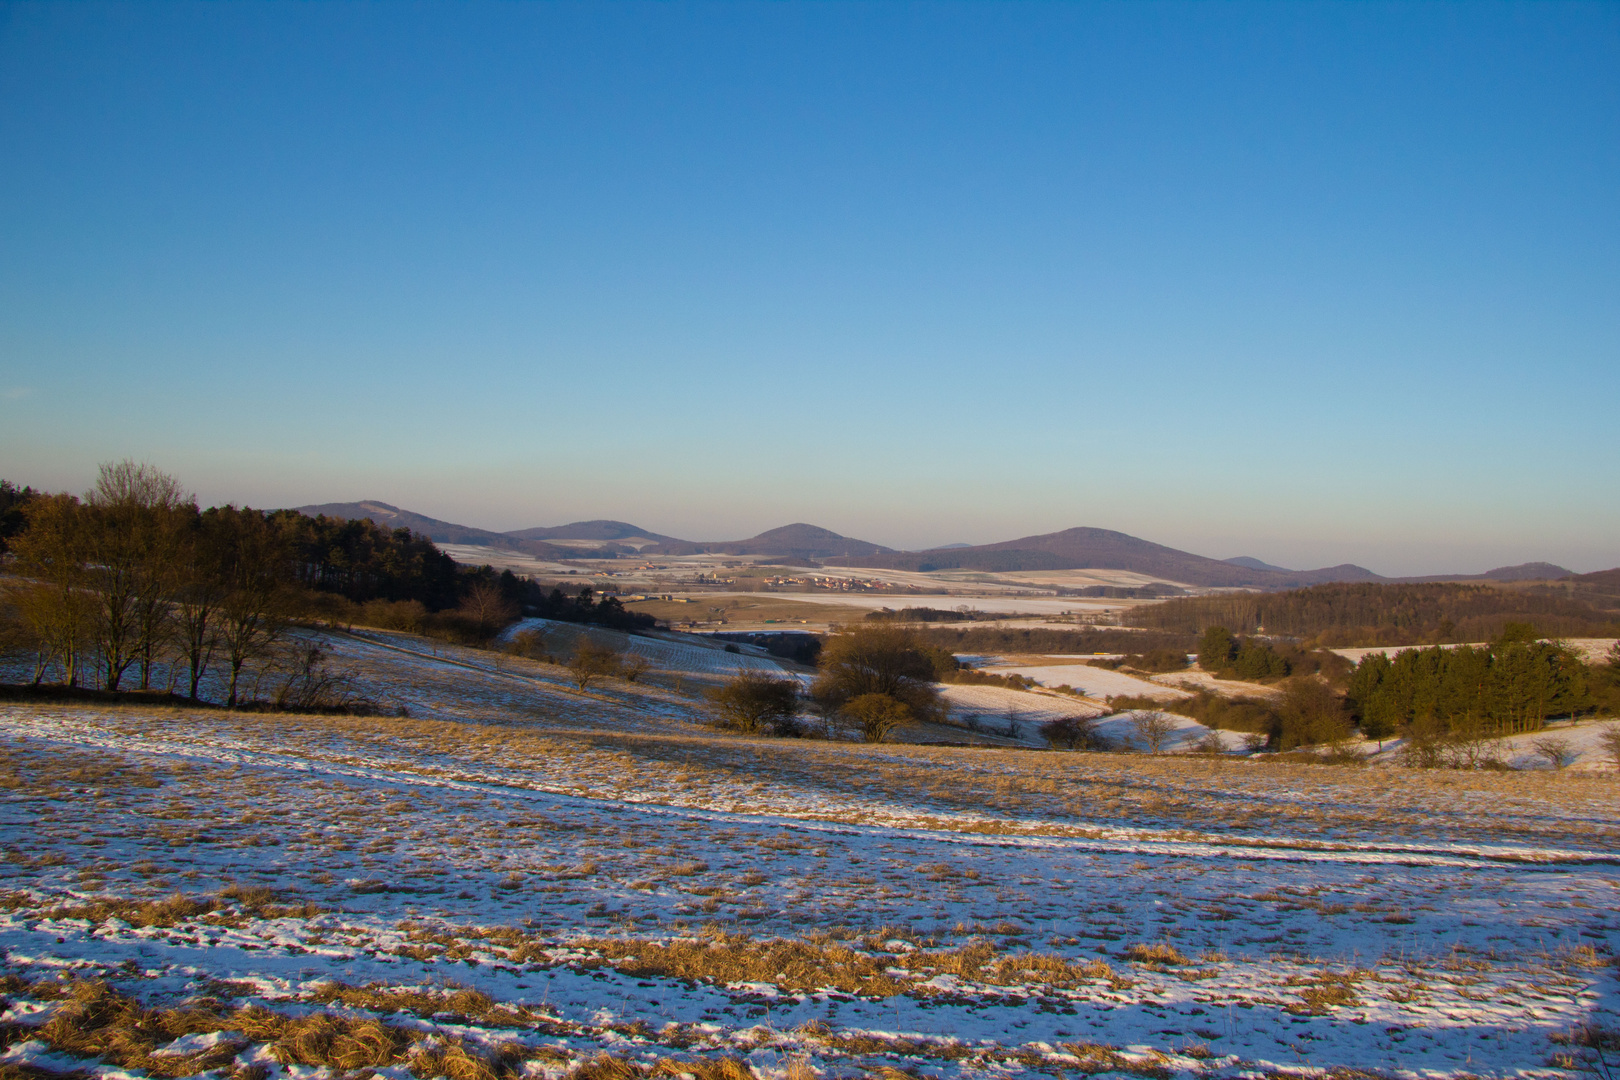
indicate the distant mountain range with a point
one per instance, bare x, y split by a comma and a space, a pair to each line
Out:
1104, 549
1071, 549
583, 539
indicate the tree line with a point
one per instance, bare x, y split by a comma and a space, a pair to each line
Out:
1512, 685
111, 590
1366, 613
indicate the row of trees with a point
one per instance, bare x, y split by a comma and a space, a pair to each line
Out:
108, 583
1509, 686
134, 577
106, 589
1378, 614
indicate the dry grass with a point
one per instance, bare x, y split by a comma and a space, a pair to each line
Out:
820, 964
1324, 991
1158, 952
1197, 793
96, 1021
171, 910
723, 958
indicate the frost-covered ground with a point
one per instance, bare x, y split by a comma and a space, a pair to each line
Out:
614, 878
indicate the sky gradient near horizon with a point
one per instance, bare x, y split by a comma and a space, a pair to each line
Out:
1317, 283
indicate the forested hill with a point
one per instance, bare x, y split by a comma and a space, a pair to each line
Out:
1383, 613
392, 517
440, 532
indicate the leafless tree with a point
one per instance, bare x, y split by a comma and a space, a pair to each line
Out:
1557, 751
251, 613
1609, 739
127, 521
529, 642
1153, 728
592, 661
51, 599
203, 560
486, 608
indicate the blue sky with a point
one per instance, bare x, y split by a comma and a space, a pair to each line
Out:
1312, 282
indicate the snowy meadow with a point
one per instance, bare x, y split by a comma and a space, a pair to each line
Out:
518, 877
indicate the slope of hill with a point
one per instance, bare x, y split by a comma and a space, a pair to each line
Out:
1105, 549
1530, 571
593, 530
1600, 590
1249, 562
795, 541
392, 517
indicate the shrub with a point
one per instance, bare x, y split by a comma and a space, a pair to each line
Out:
530, 643
1609, 739
754, 702
404, 615
877, 715
1156, 660
1557, 751
881, 659
1310, 713
634, 667
592, 661
1072, 733
1211, 710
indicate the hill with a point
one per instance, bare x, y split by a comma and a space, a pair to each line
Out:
798, 540
1599, 590
1384, 613
1530, 571
613, 537
593, 530
392, 517
1104, 549
1249, 562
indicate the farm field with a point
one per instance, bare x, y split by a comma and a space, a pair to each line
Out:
523, 878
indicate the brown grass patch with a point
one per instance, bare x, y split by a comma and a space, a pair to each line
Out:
1157, 952
96, 1021
723, 958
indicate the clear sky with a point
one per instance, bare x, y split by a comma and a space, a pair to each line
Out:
1311, 282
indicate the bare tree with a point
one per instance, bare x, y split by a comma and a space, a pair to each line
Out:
1557, 751
529, 642
203, 558
634, 667
1609, 739
1153, 728
127, 567
251, 618
52, 601
591, 662
486, 608
1472, 746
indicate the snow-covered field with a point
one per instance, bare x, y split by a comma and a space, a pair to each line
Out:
689, 653
1096, 682
612, 878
